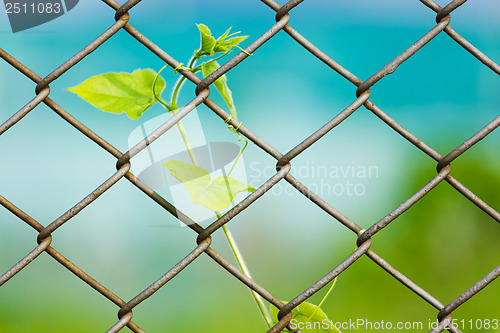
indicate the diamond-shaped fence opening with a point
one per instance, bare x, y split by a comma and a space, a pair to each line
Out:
397, 220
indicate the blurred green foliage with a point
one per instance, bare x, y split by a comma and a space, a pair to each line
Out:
444, 243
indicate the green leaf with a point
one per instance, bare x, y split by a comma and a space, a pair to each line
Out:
221, 84
207, 41
223, 44
227, 45
318, 323
216, 195
131, 93
225, 35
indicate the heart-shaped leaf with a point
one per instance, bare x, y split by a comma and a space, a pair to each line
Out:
131, 93
309, 318
216, 195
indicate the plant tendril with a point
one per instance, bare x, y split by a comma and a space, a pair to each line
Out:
158, 97
236, 131
181, 66
324, 298
242, 50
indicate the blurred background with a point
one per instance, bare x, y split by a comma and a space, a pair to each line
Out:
125, 241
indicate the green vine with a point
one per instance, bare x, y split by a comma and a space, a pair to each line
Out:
134, 93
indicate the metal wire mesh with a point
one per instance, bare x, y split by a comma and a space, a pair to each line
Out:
283, 166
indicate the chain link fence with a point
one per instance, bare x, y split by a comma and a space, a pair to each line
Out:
283, 166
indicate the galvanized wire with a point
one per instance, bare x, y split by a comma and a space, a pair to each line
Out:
283, 164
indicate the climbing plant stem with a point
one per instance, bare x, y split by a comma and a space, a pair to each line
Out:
239, 258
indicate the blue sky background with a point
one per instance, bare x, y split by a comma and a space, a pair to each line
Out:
442, 94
